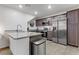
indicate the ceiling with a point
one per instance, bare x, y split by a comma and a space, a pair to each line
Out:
42, 9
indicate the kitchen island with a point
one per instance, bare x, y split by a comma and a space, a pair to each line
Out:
20, 42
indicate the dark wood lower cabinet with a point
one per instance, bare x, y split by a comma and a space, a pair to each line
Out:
49, 35
73, 34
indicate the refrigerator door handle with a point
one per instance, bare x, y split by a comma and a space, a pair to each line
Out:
54, 28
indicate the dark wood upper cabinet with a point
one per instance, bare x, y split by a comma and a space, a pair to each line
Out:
73, 27
44, 22
39, 22
73, 16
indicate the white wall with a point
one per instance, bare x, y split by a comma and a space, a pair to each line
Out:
9, 19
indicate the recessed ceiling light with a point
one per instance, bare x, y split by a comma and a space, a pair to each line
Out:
36, 12
49, 7
20, 6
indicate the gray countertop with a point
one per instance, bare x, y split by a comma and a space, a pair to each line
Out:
20, 35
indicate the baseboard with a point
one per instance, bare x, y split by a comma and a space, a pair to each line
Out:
73, 45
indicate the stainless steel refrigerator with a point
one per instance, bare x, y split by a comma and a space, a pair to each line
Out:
59, 31
62, 32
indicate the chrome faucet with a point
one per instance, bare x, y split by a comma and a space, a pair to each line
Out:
18, 27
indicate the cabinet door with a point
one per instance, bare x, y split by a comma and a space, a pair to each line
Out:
49, 35
78, 35
73, 16
20, 46
72, 34
39, 22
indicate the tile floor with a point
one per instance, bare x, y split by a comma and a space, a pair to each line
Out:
52, 49
58, 49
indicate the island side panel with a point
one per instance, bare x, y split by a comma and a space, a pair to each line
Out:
20, 46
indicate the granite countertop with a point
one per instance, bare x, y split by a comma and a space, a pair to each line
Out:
20, 35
